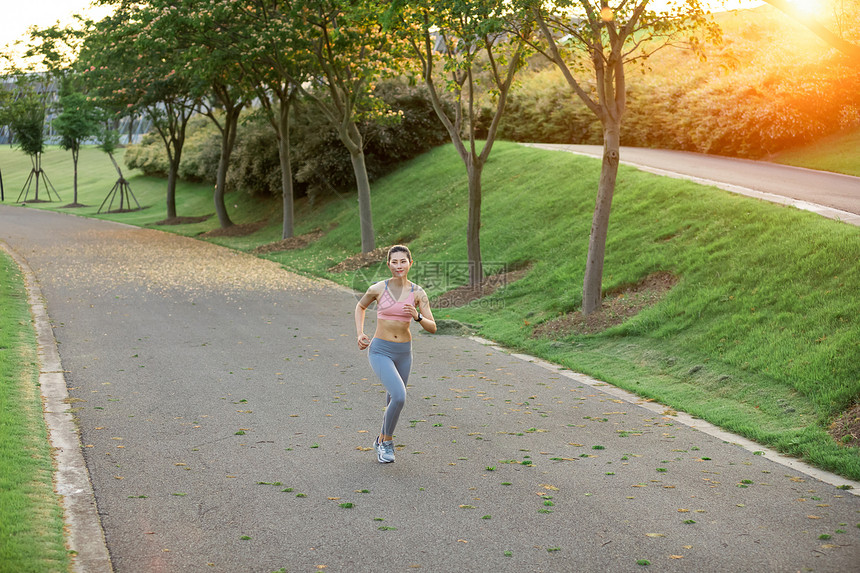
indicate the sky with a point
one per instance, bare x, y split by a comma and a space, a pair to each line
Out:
42, 13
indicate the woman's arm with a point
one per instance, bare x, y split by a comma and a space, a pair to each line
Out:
360, 311
427, 321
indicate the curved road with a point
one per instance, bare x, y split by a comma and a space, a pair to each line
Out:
226, 419
832, 195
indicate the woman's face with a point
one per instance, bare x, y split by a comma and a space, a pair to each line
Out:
399, 264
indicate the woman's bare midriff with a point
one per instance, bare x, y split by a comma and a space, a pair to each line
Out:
393, 330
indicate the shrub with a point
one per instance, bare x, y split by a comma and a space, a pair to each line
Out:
201, 152
148, 155
321, 164
254, 165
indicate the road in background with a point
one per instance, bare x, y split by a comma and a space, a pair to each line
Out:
832, 195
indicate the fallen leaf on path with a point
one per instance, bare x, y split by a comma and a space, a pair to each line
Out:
655, 535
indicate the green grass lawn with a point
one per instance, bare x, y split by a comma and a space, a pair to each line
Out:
31, 520
96, 178
761, 335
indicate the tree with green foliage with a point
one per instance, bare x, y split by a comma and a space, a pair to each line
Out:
350, 51
600, 39
275, 64
78, 121
54, 49
24, 115
211, 58
132, 63
462, 48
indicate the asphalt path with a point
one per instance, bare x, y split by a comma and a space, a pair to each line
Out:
832, 195
226, 418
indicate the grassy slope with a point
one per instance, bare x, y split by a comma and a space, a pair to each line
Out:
31, 521
766, 305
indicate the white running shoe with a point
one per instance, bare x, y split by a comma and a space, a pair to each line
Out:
384, 451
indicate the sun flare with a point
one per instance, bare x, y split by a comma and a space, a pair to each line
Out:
807, 6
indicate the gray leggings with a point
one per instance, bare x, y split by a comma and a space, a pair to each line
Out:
391, 362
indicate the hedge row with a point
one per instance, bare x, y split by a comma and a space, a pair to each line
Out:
770, 112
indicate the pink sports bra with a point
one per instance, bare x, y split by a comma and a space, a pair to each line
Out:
388, 308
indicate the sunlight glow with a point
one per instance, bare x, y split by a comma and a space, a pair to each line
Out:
807, 6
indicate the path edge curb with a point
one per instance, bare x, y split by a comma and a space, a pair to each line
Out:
686, 419
83, 528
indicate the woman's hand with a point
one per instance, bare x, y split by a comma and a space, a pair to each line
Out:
363, 341
410, 308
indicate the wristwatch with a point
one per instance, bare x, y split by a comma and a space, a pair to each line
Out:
420, 318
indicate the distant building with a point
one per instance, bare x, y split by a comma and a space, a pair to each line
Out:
137, 126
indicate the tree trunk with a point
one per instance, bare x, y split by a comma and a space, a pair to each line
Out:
172, 175
115, 165
288, 229
228, 139
75, 183
368, 241
473, 227
592, 295
359, 168
37, 167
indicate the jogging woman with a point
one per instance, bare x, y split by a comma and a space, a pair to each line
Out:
399, 302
